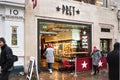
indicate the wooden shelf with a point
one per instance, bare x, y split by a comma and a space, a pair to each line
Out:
79, 52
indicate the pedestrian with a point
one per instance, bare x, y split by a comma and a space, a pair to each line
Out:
50, 56
6, 62
113, 62
96, 55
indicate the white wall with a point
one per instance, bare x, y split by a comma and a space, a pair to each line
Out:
1, 31
6, 23
15, 1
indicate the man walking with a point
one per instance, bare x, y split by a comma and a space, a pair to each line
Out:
113, 62
6, 62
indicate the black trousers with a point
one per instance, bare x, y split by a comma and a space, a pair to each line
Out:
5, 75
96, 69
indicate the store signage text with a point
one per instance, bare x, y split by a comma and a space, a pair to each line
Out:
84, 40
68, 10
14, 12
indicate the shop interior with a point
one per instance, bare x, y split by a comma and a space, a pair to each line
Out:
68, 40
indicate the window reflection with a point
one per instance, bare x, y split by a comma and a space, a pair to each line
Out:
67, 39
95, 2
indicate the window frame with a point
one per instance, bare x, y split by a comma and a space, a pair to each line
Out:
12, 33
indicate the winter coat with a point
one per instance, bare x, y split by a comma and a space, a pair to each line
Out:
113, 63
49, 55
6, 62
96, 57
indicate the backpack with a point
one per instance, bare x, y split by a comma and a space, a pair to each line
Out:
14, 58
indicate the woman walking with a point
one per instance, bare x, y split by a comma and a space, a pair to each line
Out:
50, 56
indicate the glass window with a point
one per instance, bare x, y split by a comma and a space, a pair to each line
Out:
105, 30
95, 2
87, 1
101, 3
105, 45
67, 38
14, 36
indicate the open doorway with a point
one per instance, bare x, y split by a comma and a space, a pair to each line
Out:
44, 40
105, 45
68, 39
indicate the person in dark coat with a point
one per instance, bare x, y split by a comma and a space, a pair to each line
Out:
6, 62
113, 62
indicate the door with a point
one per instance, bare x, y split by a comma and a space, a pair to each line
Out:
105, 45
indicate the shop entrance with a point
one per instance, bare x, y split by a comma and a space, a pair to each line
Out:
105, 45
68, 39
44, 40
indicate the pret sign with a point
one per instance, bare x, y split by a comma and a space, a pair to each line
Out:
68, 10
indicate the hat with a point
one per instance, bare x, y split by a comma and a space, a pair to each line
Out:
2, 39
117, 46
94, 48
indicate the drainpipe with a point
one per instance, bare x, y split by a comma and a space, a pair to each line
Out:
118, 17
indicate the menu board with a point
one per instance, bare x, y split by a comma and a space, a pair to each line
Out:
32, 67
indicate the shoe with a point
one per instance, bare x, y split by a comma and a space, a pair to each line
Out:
50, 71
97, 71
93, 74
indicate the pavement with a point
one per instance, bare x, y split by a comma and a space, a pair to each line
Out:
66, 75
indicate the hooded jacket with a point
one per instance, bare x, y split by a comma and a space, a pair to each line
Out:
6, 62
113, 62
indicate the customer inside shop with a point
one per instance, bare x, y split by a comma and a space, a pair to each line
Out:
69, 40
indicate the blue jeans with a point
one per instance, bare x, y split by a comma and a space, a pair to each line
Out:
49, 65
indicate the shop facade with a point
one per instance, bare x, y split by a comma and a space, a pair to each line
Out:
12, 27
72, 27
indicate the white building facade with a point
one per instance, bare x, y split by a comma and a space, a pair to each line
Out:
12, 26
25, 40
102, 20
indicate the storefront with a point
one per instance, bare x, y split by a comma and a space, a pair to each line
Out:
72, 27
68, 39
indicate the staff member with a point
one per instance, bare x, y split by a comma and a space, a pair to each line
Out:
6, 62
